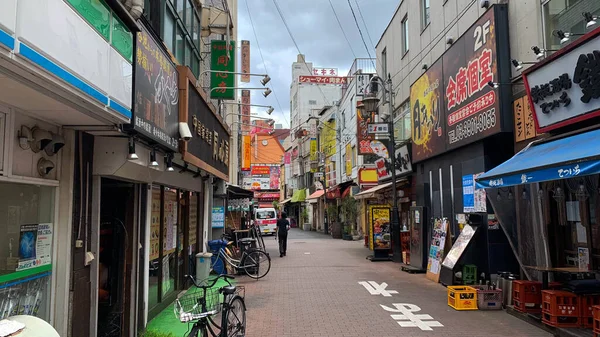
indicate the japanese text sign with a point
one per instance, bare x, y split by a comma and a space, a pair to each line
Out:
524, 123
348, 160
209, 146
324, 71
566, 88
452, 104
156, 101
362, 83
245, 109
246, 153
378, 128
427, 122
328, 138
322, 79
224, 60
379, 218
472, 106
403, 164
363, 137
313, 150
245, 61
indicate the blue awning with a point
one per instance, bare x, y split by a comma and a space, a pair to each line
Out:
563, 158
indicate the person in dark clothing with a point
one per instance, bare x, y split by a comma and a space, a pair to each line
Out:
282, 231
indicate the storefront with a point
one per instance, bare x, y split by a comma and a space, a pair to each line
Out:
207, 149
239, 208
458, 120
554, 178
48, 98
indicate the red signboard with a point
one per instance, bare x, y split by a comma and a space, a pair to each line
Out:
266, 195
261, 170
323, 79
363, 136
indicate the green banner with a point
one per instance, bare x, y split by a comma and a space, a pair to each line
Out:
220, 61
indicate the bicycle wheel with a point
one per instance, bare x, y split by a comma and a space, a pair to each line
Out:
256, 263
236, 318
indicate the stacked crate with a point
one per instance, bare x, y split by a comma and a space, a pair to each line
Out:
527, 296
561, 309
587, 303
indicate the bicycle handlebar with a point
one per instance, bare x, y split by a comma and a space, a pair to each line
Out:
212, 284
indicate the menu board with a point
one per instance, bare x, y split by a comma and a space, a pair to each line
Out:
170, 222
193, 222
155, 225
436, 250
459, 246
379, 218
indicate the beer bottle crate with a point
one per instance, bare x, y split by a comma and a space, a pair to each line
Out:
462, 297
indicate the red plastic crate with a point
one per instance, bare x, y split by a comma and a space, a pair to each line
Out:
555, 285
586, 303
596, 316
561, 321
560, 303
527, 296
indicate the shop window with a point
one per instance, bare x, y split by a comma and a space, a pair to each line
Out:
26, 236
154, 277
169, 29
180, 45
566, 15
405, 36
170, 236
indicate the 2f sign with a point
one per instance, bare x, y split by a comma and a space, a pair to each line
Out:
481, 35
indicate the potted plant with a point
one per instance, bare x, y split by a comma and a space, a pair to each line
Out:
304, 217
350, 211
335, 227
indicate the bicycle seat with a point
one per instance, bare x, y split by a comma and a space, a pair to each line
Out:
228, 290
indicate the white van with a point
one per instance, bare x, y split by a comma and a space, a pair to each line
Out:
266, 220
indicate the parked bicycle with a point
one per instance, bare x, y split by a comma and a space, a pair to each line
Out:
256, 263
200, 307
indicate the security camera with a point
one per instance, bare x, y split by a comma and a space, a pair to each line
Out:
41, 139
424, 66
44, 167
449, 40
55, 145
184, 131
484, 3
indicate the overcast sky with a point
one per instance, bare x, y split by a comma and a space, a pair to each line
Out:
318, 35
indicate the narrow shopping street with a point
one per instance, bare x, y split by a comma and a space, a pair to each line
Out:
315, 291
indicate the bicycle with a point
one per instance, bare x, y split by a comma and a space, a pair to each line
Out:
250, 260
227, 300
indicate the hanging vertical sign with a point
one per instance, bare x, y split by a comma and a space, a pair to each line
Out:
223, 60
245, 111
348, 160
245, 61
246, 153
313, 149
156, 99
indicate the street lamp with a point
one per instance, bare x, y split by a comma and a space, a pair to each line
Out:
371, 103
266, 78
266, 93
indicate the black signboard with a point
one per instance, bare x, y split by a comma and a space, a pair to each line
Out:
210, 139
156, 99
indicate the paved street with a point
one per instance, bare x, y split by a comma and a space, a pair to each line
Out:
315, 291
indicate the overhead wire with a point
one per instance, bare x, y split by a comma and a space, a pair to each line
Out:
264, 63
342, 28
361, 34
364, 24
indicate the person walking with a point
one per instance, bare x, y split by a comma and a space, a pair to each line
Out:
282, 231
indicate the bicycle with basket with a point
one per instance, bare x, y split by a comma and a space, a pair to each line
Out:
203, 307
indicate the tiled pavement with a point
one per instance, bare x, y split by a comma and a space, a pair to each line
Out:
315, 291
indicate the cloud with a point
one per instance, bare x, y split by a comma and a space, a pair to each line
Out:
318, 35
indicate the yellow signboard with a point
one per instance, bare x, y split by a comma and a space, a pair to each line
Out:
379, 224
328, 139
313, 149
348, 159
